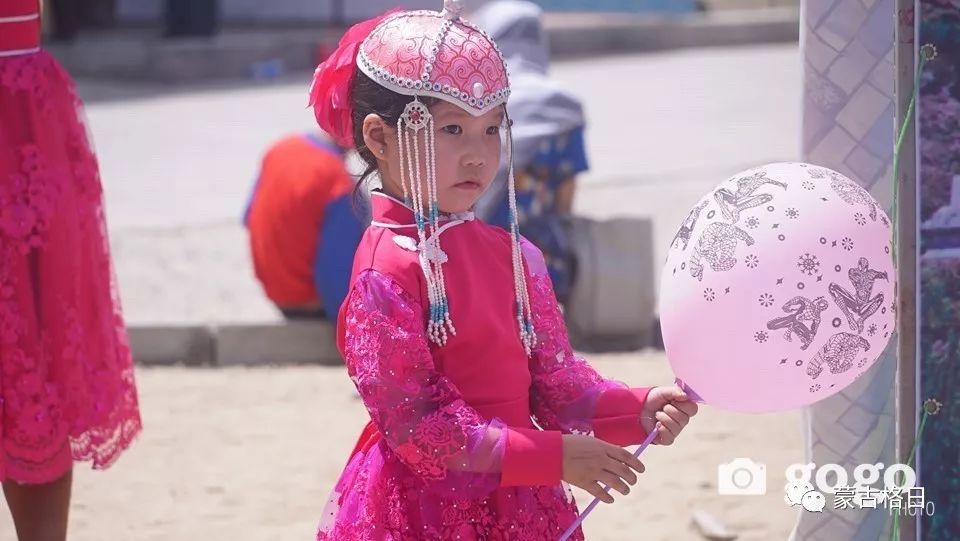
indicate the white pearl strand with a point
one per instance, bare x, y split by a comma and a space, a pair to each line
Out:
416, 189
403, 182
406, 164
434, 200
525, 316
429, 240
431, 246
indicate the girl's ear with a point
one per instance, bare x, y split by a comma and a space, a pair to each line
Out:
376, 134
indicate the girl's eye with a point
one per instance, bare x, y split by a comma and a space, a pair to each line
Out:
493, 130
452, 129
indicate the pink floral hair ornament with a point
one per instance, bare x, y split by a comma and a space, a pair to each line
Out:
330, 89
425, 54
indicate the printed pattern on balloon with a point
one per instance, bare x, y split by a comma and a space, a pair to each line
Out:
803, 319
718, 242
853, 194
838, 354
842, 348
683, 234
859, 306
733, 203
809, 264
804, 315
717, 245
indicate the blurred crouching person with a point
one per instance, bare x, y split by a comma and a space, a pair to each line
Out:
548, 139
303, 226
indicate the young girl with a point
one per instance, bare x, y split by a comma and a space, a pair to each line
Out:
451, 331
66, 377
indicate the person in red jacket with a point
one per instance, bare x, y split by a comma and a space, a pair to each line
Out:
300, 176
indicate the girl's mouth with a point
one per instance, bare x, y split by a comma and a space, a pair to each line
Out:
468, 185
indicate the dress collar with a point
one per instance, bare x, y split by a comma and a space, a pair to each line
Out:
390, 211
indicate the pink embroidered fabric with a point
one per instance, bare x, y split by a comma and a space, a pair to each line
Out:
435, 474
66, 375
565, 387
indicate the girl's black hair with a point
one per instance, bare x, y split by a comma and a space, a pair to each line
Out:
369, 97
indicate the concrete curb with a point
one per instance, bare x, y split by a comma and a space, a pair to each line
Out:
171, 345
291, 343
282, 343
268, 53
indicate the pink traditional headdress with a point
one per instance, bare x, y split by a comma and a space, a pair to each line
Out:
440, 55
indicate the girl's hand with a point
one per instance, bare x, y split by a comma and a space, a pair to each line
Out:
588, 461
667, 410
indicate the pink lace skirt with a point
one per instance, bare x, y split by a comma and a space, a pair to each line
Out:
379, 499
66, 376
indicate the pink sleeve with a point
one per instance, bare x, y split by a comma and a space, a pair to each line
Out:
568, 394
420, 413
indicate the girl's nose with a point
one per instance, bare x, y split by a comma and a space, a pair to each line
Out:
473, 159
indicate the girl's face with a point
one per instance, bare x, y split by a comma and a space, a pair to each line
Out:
467, 156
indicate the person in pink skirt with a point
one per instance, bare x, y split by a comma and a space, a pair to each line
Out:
480, 413
67, 388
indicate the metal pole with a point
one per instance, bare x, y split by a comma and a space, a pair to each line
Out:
907, 365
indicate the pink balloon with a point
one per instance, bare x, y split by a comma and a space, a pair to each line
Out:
778, 289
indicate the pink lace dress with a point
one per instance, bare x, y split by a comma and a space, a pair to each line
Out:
452, 451
66, 377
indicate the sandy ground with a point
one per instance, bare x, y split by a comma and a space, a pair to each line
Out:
250, 454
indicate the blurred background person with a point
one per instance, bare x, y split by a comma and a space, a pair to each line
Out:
548, 139
302, 177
